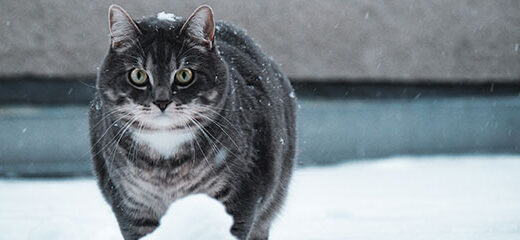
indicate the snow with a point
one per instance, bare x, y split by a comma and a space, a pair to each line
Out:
196, 217
453, 197
166, 16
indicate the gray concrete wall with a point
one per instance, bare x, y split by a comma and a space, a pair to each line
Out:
407, 40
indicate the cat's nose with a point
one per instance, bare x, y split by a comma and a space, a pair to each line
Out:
162, 104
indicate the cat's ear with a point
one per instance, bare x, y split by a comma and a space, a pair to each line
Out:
122, 28
200, 26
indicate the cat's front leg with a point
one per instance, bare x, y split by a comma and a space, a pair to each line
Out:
243, 209
134, 227
242, 223
135, 219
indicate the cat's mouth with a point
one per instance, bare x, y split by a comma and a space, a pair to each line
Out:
165, 122
188, 118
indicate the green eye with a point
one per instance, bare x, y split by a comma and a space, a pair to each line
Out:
138, 77
184, 76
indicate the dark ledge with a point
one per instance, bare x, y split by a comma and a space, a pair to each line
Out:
29, 89
44, 122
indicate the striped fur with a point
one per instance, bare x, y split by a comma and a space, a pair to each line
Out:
230, 134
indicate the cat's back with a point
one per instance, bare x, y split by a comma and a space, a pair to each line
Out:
260, 85
233, 41
248, 62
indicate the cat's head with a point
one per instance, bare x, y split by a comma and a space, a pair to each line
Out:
162, 72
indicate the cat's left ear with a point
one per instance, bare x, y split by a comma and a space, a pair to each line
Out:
122, 28
200, 26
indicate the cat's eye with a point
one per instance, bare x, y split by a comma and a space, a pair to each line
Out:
138, 77
184, 77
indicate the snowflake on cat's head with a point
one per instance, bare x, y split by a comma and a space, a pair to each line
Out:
168, 16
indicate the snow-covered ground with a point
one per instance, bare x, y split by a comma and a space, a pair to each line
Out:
400, 198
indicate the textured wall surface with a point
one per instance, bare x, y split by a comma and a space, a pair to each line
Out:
404, 40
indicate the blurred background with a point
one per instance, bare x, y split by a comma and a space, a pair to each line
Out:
373, 78
408, 115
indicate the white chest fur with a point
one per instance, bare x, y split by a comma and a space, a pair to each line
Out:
164, 142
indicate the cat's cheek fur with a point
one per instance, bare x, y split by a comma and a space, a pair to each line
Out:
209, 96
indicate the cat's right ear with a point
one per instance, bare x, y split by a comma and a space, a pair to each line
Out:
123, 29
200, 26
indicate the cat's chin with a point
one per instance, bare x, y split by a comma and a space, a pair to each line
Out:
163, 120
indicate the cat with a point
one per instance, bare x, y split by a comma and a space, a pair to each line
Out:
186, 106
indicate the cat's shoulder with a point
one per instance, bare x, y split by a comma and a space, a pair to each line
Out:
233, 35
228, 29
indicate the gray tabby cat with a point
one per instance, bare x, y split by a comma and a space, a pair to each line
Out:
188, 106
